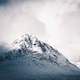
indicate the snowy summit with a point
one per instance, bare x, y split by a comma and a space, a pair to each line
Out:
29, 43
33, 59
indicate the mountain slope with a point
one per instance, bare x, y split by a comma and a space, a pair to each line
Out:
28, 43
32, 59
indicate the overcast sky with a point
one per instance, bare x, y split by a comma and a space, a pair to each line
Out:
56, 22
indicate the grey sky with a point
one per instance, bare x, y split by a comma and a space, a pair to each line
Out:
19, 18
57, 22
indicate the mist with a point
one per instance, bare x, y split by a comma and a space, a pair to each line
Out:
54, 22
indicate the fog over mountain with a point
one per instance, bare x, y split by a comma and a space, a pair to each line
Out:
53, 21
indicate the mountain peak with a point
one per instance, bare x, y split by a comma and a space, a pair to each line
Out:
33, 49
26, 38
30, 43
25, 41
32, 55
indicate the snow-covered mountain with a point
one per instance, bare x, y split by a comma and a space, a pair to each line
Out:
32, 57
30, 44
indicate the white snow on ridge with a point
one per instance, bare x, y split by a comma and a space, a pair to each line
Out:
77, 64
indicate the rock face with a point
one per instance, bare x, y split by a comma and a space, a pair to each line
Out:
33, 59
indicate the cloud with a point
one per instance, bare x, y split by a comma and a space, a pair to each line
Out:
56, 19
17, 19
3, 2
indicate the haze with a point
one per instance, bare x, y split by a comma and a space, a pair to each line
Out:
56, 22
